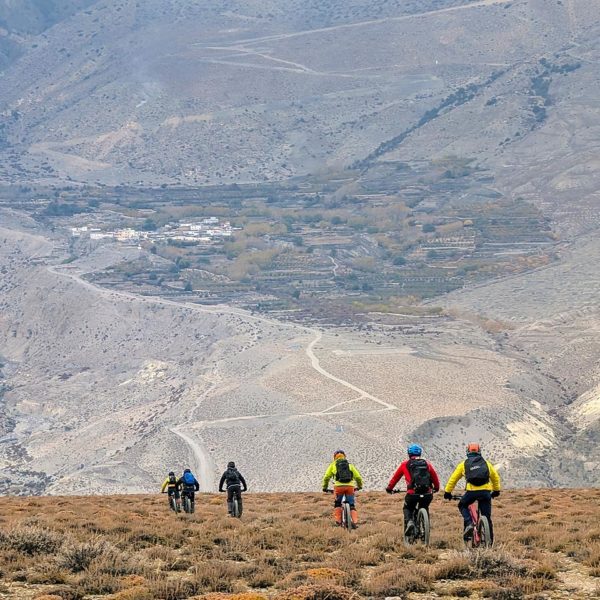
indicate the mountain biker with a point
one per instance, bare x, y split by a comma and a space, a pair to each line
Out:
421, 483
483, 484
173, 488
189, 484
234, 481
346, 480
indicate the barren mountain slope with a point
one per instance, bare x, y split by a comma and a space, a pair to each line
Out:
168, 92
106, 390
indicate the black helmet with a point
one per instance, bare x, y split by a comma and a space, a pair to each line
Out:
186, 471
171, 474
231, 465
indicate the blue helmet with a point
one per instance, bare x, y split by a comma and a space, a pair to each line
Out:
414, 450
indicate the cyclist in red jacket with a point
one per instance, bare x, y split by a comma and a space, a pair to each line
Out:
421, 483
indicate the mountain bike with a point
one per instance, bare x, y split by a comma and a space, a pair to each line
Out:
347, 522
173, 504
482, 537
421, 530
187, 502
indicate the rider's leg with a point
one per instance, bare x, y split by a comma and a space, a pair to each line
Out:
463, 506
410, 503
337, 507
230, 499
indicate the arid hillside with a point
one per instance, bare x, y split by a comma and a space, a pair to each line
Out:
168, 92
102, 389
285, 547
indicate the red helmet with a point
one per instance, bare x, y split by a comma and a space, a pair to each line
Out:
473, 447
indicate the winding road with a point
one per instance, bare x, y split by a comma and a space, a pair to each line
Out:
203, 463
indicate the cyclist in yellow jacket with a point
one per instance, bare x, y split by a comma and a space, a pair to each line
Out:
346, 480
172, 486
483, 484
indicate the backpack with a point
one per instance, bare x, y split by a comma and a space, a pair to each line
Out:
343, 473
232, 477
477, 471
189, 479
420, 477
172, 480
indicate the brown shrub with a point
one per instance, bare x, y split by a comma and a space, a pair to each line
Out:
173, 589
458, 567
65, 592
93, 581
76, 557
134, 593
397, 580
318, 591
46, 574
31, 540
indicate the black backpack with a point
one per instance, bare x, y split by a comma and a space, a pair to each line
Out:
477, 471
232, 477
172, 480
420, 477
343, 473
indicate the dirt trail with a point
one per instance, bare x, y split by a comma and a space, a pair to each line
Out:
284, 36
203, 462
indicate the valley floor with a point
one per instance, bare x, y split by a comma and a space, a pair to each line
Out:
285, 547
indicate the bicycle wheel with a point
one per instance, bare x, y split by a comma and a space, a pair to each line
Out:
187, 504
172, 503
236, 508
485, 537
423, 526
347, 517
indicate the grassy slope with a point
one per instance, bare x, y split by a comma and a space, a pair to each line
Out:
132, 548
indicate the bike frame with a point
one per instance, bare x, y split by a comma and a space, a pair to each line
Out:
475, 518
474, 512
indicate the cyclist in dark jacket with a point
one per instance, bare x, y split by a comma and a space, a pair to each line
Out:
189, 484
234, 482
421, 498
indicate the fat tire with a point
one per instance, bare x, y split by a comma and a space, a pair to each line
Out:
484, 532
348, 517
172, 504
423, 526
236, 508
187, 505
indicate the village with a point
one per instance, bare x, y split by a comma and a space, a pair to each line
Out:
205, 231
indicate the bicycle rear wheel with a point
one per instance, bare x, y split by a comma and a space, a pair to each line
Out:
187, 504
423, 526
172, 503
485, 537
236, 508
347, 517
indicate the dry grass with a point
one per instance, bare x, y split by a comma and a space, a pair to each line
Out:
133, 548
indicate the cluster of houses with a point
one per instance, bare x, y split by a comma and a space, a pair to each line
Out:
203, 231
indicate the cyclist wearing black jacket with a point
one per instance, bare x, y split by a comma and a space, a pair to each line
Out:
234, 481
